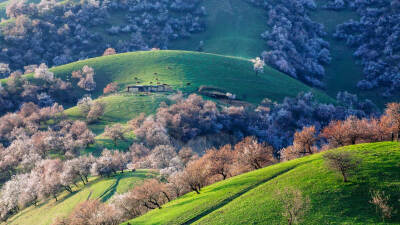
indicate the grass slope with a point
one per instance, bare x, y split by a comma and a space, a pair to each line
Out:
249, 198
120, 108
101, 188
233, 27
180, 68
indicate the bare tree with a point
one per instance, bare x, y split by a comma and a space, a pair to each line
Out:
128, 205
176, 184
92, 212
220, 162
295, 204
152, 193
195, 176
381, 202
343, 162
306, 139
254, 154
393, 112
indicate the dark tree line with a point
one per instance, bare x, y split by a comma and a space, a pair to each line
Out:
376, 39
193, 121
59, 33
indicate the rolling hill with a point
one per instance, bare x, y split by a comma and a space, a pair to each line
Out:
98, 188
178, 69
187, 71
250, 198
184, 71
233, 28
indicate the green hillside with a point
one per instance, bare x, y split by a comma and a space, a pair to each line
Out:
98, 188
184, 71
233, 27
249, 198
187, 71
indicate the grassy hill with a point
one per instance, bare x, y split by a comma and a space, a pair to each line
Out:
184, 71
187, 71
98, 188
249, 198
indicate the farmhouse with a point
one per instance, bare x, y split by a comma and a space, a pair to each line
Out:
149, 88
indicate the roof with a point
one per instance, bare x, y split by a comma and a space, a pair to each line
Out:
137, 86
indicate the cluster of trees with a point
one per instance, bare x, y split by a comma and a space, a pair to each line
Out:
295, 42
202, 124
43, 89
86, 78
192, 172
24, 138
164, 146
57, 33
375, 36
48, 177
350, 131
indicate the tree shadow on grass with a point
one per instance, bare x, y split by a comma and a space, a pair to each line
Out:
233, 197
107, 194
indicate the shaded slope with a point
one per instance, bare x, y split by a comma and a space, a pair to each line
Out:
332, 201
233, 27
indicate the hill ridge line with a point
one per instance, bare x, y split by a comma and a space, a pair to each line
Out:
237, 195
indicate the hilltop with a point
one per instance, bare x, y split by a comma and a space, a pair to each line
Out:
250, 198
183, 71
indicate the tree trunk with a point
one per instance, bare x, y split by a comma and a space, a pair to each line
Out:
344, 177
166, 195
83, 181
147, 206
196, 190
68, 188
